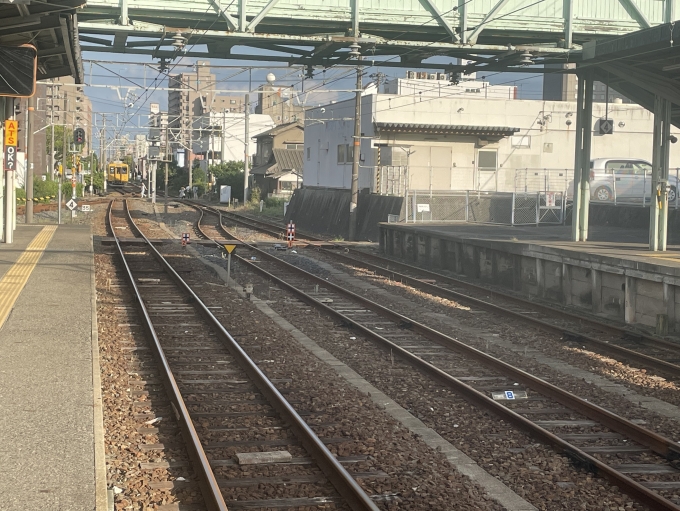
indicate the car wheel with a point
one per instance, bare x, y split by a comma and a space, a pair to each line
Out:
603, 194
672, 194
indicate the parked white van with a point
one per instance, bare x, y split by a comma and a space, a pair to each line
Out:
624, 179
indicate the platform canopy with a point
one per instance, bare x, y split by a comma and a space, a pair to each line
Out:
640, 65
51, 26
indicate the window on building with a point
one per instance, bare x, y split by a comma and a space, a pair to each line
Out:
342, 153
295, 146
232, 101
487, 160
350, 153
309, 152
521, 141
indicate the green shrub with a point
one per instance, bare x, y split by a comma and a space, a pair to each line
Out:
274, 202
255, 195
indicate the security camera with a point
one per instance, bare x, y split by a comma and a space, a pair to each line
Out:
323, 110
673, 139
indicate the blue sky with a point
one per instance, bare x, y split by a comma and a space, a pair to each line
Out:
118, 83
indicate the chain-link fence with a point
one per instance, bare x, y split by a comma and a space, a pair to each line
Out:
507, 208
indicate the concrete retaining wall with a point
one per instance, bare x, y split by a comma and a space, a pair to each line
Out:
629, 217
620, 289
326, 211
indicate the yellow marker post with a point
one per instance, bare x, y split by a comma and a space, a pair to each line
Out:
229, 249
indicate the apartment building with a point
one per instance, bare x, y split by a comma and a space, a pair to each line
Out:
280, 103
193, 95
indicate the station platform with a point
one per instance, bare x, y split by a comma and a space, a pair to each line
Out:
613, 274
52, 448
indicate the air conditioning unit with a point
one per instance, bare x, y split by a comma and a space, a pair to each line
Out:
411, 75
433, 76
442, 76
422, 75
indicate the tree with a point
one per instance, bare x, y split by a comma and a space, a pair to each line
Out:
97, 180
61, 135
231, 174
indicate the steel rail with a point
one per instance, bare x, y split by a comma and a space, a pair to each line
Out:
343, 482
662, 446
273, 230
547, 309
659, 444
209, 488
663, 366
667, 368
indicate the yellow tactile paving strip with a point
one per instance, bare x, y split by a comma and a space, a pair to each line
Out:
16, 277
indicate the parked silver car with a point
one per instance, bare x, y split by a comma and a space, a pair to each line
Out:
623, 179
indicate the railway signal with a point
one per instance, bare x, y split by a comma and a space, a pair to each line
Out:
185, 239
79, 136
290, 233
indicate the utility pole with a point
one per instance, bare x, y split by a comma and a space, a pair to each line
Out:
354, 199
165, 199
223, 148
9, 182
30, 157
190, 153
153, 183
52, 125
102, 163
246, 170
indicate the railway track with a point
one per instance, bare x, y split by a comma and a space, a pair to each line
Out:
641, 349
217, 393
640, 462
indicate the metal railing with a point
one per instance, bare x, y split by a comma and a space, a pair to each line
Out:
505, 208
618, 188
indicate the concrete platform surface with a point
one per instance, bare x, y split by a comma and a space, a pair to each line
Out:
48, 401
604, 241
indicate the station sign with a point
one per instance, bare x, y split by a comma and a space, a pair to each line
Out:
10, 145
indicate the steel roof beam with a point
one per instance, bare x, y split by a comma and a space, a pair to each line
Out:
260, 16
472, 39
437, 15
463, 20
669, 11
636, 14
231, 22
568, 13
355, 18
242, 4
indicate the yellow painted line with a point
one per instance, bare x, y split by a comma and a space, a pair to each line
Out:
13, 282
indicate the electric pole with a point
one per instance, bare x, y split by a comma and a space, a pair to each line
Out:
102, 141
30, 157
9, 182
165, 199
354, 199
246, 170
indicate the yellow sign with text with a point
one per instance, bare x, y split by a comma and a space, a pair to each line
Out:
11, 132
229, 248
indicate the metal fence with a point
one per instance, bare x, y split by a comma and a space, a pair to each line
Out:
506, 208
629, 189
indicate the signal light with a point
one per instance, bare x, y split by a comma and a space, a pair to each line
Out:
79, 136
